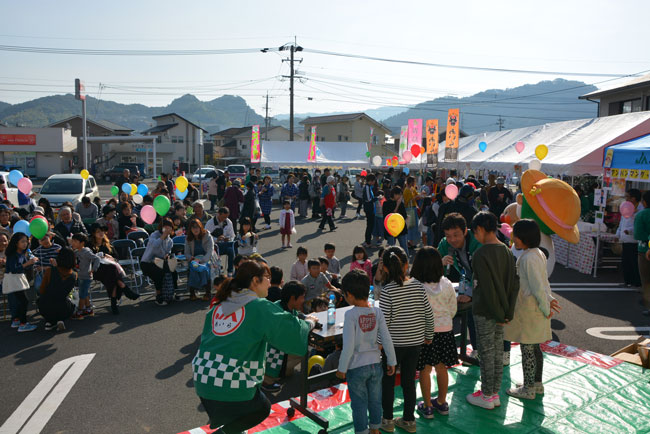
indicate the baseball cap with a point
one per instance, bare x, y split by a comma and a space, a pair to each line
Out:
38, 209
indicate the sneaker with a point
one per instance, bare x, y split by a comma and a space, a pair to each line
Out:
358, 215
60, 326
474, 354
88, 312
273, 389
15, 324
506, 358
333, 228
425, 412
49, 326
478, 399
289, 246
539, 388
159, 301
443, 408
522, 392
496, 400
387, 425
77, 315
408, 426
27, 327
267, 227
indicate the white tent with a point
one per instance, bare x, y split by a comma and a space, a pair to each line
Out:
574, 147
331, 154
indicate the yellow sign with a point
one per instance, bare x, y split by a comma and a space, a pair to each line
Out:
614, 173
634, 174
645, 174
623, 173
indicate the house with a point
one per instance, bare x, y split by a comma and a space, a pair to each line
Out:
630, 96
39, 152
232, 146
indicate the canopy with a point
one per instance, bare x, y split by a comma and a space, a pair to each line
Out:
332, 154
633, 154
574, 147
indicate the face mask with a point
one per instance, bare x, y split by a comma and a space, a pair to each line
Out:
360, 261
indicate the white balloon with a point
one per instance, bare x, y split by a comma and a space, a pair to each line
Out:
376, 160
535, 165
137, 199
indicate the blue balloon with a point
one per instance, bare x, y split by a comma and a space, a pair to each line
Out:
482, 146
180, 194
406, 170
142, 190
126, 188
22, 226
14, 177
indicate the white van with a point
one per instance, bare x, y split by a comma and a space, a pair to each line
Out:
69, 187
12, 190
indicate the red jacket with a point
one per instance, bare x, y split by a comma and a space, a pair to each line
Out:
330, 198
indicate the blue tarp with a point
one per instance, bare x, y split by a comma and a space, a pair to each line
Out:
633, 154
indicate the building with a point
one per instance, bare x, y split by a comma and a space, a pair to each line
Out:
631, 96
233, 145
39, 152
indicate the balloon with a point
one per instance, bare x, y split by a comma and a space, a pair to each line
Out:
364, 173
395, 163
38, 227
519, 146
148, 214
407, 156
134, 190
161, 204
180, 194
24, 185
84, 174
388, 163
115, 191
482, 146
535, 165
137, 199
126, 188
407, 170
541, 152
143, 190
15, 176
315, 360
506, 230
181, 183
415, 150
648, 243
451, 191
627, 209
22, 226
376, 160
394, 224
402, 162
395, 158
368, 154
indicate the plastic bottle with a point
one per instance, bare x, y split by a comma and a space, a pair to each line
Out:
462, 285
331, 311
371, 296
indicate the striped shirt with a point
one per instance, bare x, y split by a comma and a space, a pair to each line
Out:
44, 254
408, 313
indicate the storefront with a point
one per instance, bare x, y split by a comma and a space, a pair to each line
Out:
38, 152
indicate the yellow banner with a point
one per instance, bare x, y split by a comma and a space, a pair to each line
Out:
453, 128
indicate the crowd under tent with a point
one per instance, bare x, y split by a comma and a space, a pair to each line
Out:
329, 154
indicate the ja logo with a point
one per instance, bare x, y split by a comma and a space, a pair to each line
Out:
225, 324
642, 159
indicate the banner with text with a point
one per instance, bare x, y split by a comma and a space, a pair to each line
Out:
311, 157
451, 142
403, 139
432, 141
415, 133
255, 145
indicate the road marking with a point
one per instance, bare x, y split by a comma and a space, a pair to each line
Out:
592, 289
602, 333
29, 418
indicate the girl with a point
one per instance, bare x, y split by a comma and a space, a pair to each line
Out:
287, 223
441, 354
199, 248
54, 304
396, 205
531, 324
299, 268
409, 318
247, 239
361, 261
14, 281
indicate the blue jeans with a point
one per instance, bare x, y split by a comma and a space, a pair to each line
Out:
402, 242
227, 248
84, 288
364, 386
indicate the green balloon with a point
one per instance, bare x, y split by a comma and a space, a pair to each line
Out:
114, 190
368, 154
161, 204
38, 228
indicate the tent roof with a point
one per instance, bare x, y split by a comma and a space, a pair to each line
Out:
633, 154
575, 147
332, 154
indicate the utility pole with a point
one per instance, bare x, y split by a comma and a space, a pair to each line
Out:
266, 118
500, 122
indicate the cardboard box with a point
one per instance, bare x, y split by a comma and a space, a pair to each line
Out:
637, 353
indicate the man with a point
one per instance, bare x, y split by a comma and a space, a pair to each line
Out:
499, 197
67, 227
314, 193
86, 209
222, 180
125, 179
324, 176
222, 229
368, 197
199, 213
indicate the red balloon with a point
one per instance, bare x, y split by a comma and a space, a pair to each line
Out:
415, 150
364, 173
387, 162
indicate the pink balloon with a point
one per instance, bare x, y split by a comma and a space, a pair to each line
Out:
519, 146
627, 209
506, 230
25, 185
451, 191
407, 156
148, 214
402, 162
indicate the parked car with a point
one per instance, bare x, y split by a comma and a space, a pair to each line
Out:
12, 191
273, 173
115, 172
237, 171
9, 168
201, 173
68, 187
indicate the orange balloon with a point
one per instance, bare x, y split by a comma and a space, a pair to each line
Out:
394, 224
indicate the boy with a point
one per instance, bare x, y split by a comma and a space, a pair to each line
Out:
493, 303
44, 252
87, 261
361, 357
315, 282
324, 265
334, 266
275, 290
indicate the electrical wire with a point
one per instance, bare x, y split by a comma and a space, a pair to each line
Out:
98, 52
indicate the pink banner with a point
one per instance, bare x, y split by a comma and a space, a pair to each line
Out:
311, 157
255, 145
415, 132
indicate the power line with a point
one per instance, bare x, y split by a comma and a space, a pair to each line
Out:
97, 52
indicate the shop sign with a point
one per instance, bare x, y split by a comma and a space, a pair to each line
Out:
17, 139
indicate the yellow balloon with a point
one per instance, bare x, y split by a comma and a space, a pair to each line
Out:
134, 189
648, 243
395, 163
394, 224
541, 152
181, 183
84, 174
315, 360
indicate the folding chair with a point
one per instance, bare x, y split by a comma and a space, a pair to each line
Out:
182, 268
138, 237
179, 239
125, 258
137, 254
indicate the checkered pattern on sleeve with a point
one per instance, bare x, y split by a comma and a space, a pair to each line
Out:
221, 371
274, 361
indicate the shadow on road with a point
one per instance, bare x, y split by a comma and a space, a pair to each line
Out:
189, 351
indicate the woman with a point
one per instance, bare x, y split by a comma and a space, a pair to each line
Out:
343, 195
213, 192
411, 197
47, 208
290, 191
127, 221
266, 201
232, 198
108, 220
199, 249
53, 303
155, 260
248, 210
303, 197
236, 332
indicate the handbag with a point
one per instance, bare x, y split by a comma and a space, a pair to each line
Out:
14, 282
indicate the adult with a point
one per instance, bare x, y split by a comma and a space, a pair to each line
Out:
290, 191
369, 202
127, 221
265, 195
499, 197
411, 196
625, 234
124, 179
86, 209
223, 230
222, 183
232, 198
642, 235
324, 176
213, 192
303, 196
169, 184
157, 252
314, 193
54, 303
199, 249
248, 209
109, 221
68, 226
240, 340
198, 213
48, 212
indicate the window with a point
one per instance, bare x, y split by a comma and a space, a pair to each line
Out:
89, 187
181, 139
346, 138
174, 139
628, 106
340, 137
128, 159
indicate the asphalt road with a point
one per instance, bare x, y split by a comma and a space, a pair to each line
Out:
139, 379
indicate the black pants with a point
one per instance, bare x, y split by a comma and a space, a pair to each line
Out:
59, 311
235, 417
407, 360
21, 308
213, 201
326, 219
370, 222
267, 219
631, 264
359, 206
156, 274
315, 207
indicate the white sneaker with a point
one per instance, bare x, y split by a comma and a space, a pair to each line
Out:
539, 388
522, 392
387, 425
496, 400
60, 326
267, 227
506, 358
49, 326
478, 399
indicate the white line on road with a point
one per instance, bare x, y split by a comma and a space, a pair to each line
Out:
602, 333
33, 417
593, 289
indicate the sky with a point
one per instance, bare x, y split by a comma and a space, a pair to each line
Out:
596, 36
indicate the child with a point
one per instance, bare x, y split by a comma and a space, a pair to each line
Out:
247, 239
360, 359
378, 228
14, 280
409, 318
87, 262
275, 290
44, 252
334, 264
531, 323
287, 223
319, 305
396, 205
493, 304
316, 283
360, 260
299, 268
441, 354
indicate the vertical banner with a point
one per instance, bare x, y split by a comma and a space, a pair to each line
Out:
403, 139
312, 146
370, 143
451, 143
255, 144
415, 133
432, 141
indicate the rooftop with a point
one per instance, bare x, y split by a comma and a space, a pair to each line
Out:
342, 118
176, 114
159, 128
636, 82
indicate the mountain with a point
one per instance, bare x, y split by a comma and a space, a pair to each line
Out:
218, 114
4, 105
378, 114
527, 105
